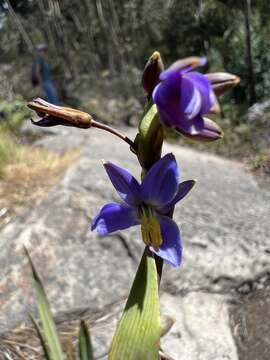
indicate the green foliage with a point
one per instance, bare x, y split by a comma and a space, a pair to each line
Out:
7, 150
92, 35
12, 114
47, 331
138, 332
85, 346
22, 6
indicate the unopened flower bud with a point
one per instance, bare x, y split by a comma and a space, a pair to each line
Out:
215, 109
151, 72
52, 115
222, 82
211, 131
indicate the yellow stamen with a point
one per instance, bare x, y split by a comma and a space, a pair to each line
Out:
151, 231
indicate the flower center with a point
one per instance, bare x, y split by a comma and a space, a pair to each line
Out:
150, 228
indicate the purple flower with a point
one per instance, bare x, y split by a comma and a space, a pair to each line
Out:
147, 204
184, 96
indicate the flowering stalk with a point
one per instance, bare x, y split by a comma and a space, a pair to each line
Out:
109, 129
177, 98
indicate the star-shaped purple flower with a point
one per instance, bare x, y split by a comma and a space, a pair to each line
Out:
147, 204
183, 97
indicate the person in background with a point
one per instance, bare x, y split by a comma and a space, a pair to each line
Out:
41, 74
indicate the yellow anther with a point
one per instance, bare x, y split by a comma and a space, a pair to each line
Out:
151, 231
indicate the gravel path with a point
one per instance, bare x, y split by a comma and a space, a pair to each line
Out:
225, 228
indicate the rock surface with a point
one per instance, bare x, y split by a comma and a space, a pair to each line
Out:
225, 228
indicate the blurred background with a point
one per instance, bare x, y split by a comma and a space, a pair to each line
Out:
96, 51
93, 53
90, 36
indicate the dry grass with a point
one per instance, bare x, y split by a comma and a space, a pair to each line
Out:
22, 342
27, 174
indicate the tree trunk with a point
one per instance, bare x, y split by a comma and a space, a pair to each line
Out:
251, 74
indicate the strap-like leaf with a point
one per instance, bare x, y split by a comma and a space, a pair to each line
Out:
85, 345
41, 338
48, 325
138, 333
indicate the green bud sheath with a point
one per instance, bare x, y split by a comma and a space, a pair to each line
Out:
150, 137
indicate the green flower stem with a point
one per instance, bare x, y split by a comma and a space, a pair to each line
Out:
107, 128
150, 141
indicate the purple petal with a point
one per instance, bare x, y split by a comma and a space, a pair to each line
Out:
183, 189
191, 100
183, 65
169, 90
160, 184
204, 87
202, 129
171, 247
49, 120
126, 185
191, 127
113, 217
179, 104
167, 97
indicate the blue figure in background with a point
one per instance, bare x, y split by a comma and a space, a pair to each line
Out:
41, 74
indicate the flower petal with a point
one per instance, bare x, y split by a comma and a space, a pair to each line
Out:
160, 184
204, 87
191, 100
171, 247
179, 103
183, 189
191, 127
167, 97
202, 129
113, 217
183, 65
222, 82
126, 185
48, 121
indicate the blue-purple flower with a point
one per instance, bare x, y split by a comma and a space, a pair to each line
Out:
183, 97
148, 204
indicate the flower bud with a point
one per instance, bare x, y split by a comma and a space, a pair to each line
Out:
211, 131
52, 115
215, 109
222, 82
151, 72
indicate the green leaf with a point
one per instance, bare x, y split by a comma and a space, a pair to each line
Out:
48, 325
41, 338
150, 139
85, 345
138, 333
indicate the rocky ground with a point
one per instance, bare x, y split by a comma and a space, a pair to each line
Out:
219, 297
